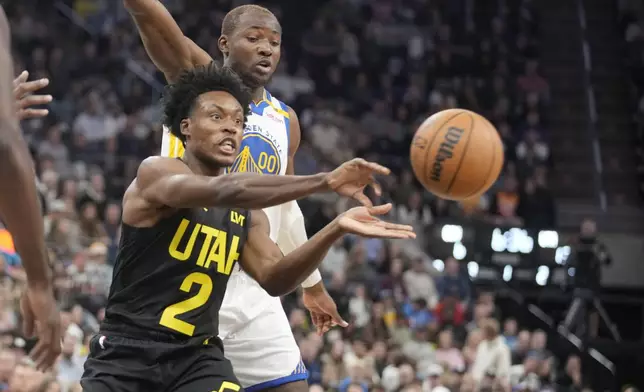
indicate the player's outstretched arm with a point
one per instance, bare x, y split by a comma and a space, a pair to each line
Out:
20, 212
279, 274
168, 182
19, 202
170, 50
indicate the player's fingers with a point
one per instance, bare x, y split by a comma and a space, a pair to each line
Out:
375, 168
24, 75
397, 227
29, 87
337, 319
33, 100
380, 210
362, 198
24, 114
376, 186
397, 234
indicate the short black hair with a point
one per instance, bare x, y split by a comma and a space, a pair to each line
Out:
231, 20
179, 97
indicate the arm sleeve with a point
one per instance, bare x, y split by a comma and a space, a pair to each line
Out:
293, 235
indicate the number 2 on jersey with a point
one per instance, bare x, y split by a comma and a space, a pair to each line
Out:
169, 316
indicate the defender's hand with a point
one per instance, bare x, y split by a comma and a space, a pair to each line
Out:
41, 318
23, 92
363, 221
351, 178
323, 309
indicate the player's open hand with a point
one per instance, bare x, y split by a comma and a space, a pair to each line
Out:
24, 91
363, 221
324, 311
352, 177
41, 318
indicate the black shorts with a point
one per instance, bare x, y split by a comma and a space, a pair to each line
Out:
125, 364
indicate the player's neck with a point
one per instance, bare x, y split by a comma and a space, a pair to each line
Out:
257, 94
199, 167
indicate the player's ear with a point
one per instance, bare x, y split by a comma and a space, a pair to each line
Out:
185, 127
222, 44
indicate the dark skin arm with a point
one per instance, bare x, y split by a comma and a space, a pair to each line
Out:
170, 50
167, 183
19, 203
20, 212
279, 274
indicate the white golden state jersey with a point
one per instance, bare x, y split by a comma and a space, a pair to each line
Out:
264, 148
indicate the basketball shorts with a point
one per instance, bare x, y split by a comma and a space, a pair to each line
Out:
257, 336
124, 364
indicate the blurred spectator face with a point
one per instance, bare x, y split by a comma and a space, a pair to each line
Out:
113, 213
468, 384
523, 341
407, 374
510, 184
588, 228
530, 187
70, 189
49, 178
532, 100
68, 346
359, 348
539, 339
531, 67
98, 182
530, 364
337, 349
7, 364
474, 338
379, 350
573, 365
396, 267
490, 329
298, 318
533, 120
417, 266
510, 327
360, 291
256, 39
480, 312
414, 201
80, 259
89, 212
452, 267
445, 340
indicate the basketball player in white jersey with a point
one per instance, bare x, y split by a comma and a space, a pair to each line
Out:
255, 331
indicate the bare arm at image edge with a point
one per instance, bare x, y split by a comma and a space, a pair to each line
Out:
19, 203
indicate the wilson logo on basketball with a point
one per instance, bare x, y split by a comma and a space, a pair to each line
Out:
450, 140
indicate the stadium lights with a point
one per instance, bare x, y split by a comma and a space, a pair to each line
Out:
514, 240
507, 273
548, 239
542, 275
452, 233
438, 265
561, 255
459, 252
473, 269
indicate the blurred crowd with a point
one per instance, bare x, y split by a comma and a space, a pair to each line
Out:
361, 75
631, 22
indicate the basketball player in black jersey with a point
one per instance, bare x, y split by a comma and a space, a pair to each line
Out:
185, 226
20, 212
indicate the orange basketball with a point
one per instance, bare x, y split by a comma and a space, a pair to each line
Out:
457, 154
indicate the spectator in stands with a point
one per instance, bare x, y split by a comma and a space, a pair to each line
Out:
454, 282
492, 355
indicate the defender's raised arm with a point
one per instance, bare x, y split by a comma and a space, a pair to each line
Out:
170, 50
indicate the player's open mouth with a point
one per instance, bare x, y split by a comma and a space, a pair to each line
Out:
264, 66
227, 146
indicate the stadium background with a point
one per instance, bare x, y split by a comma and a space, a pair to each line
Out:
560, 79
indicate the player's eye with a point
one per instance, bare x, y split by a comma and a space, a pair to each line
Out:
253, 39
216, 116
239, 121
275, 43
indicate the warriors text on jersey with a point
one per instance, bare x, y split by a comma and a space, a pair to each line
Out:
170, 279
264, 148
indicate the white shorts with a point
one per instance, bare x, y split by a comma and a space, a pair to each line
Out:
257, 336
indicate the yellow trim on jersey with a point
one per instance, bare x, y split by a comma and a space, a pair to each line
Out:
272, 105
176, 149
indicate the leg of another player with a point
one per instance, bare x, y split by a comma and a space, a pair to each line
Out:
297, 386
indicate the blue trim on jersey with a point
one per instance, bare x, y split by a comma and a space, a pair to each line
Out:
300, 373
287, 121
